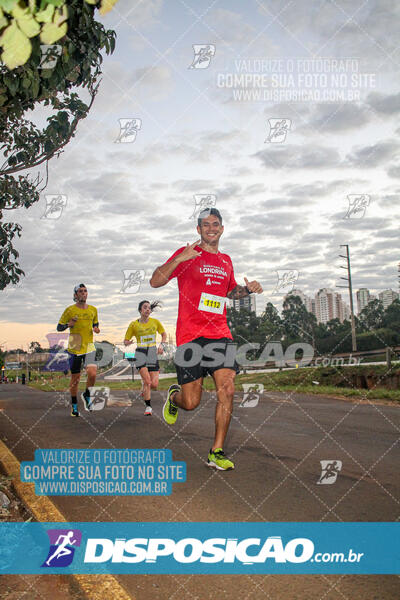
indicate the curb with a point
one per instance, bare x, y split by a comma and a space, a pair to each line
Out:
95, 587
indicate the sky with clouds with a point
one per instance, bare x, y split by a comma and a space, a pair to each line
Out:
284, 200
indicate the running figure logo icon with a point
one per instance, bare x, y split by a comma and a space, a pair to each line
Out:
329, 471
251, 394
50, 54
62, 547
99, 397
55, 204
286, 280
202, 201
203, 54
132, 281
128, 129
58, 358
278, 129
357, 206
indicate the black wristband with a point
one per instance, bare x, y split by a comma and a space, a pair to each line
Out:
247, 290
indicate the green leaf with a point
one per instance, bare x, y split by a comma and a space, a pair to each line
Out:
46, 15
17, 47
3, 20
48, 146
60, 15
8, 5
35, 87
25, 21
21, 156
51, 33
47, 73
106, 6
63, 116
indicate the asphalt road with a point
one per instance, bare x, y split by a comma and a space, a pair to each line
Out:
277, 447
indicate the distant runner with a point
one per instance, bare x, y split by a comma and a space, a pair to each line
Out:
145, 330
82, 320
205, 279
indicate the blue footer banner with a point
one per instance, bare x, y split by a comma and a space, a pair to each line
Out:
199, 548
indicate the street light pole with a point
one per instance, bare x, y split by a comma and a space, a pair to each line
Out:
348, 279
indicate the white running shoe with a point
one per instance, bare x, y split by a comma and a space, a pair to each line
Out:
148, 411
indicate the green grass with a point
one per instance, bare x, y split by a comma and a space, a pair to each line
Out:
296, 380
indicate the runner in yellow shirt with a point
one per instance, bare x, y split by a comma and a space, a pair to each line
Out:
82, 320
145, 330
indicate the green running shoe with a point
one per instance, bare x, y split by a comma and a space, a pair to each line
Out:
170, 410
218, 460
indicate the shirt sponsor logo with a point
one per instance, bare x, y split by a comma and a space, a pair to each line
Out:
213, 271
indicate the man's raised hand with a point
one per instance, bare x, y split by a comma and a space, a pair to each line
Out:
189, 252
253, 286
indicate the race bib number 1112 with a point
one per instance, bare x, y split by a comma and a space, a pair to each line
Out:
212, 304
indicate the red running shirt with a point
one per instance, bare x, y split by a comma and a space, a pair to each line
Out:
203, 284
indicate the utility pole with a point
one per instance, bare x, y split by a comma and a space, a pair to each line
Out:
348, 279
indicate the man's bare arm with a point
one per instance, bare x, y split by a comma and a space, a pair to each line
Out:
239, 291
161, 275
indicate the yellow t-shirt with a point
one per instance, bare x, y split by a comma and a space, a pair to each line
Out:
145, 333
80, 339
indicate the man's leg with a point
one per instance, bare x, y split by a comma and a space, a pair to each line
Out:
73, 388
91, 372
190, 395
154, 379
225, 387
224, 384
187, 396
74, 383
146, 383
146, 390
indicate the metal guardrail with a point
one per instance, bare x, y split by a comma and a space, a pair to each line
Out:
388, 352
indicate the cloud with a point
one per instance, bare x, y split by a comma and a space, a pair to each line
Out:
394, 171
129, 206
374, 155
314, 190
299, 157
385, 104
335, 118
137, 14
154, 80
229, 26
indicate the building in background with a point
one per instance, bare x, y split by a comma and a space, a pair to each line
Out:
329, 305
363, 298
387, 297
398, 275
247, 303
309, 303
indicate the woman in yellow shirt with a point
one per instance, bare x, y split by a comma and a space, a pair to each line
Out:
145, 330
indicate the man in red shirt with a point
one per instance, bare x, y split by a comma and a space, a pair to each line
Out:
204, 341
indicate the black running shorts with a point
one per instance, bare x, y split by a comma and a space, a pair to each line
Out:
147, 357
203, 356
76, 361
